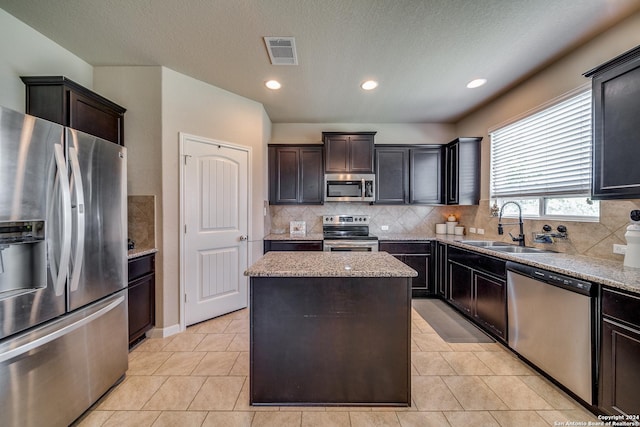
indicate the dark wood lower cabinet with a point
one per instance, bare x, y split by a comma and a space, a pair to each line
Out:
461, 294
141, 297
292, 245
491, 303
620, 357
417, 255
477, 287
330, 341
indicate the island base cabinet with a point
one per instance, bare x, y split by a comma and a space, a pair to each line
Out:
330, 341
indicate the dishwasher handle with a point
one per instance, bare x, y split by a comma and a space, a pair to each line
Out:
552, 278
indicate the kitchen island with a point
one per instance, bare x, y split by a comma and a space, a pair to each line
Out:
330, 329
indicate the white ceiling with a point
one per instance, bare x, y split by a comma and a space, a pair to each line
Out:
423, 52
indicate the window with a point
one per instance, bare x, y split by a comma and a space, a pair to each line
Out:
543, 161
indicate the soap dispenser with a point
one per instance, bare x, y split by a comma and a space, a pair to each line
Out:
632, 255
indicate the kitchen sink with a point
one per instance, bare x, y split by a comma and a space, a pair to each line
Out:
518, 249
485, 243
504, 247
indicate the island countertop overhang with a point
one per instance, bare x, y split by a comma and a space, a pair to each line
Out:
329, 264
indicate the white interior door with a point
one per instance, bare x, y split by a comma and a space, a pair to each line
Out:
215, 215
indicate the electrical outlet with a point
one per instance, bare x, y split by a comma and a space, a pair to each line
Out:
480, 230
472, 230
619, 249
384, 227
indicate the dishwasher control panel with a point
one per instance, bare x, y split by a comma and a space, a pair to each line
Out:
552, 278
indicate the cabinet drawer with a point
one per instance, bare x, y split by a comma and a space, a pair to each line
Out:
478, 261
620, 306
141, 266
292, 245
405, 247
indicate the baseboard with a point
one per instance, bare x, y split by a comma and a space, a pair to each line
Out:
163, 332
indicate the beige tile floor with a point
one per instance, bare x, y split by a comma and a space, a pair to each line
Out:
200, 378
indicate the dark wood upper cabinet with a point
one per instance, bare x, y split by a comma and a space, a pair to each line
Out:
60, 100
429, 174
425, 176
295, 174
461, 182
348, 152
392, 175
616, 130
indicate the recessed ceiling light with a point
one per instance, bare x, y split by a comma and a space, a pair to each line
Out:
476, 83
273, 84
369, 85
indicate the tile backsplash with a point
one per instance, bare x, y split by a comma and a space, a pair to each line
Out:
593, 239
141, 213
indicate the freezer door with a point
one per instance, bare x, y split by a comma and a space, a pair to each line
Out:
32, 179
50, 375
98, 200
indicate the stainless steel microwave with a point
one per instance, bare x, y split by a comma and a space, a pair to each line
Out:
340, 187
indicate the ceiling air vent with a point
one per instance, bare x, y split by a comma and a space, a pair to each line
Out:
282, 50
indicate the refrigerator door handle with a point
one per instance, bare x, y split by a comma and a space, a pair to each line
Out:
22, 349
79, 250
60, 274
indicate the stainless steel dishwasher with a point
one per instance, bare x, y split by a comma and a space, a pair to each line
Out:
551, 324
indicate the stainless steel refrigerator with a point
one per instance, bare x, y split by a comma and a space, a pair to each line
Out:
63, 312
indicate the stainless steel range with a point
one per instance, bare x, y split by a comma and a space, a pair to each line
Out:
348, 233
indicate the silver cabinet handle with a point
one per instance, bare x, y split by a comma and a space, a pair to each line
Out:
243, 238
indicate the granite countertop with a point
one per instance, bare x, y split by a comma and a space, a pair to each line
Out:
610, 273
329, 264
605, 272
135, 253
287, 236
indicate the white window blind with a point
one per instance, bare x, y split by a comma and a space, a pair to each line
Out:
545, 154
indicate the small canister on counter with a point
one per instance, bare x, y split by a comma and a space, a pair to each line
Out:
459, 231
441, 228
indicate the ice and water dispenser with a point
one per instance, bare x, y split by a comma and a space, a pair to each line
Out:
22, 257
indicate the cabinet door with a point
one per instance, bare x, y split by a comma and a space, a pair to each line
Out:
311, 175
89, 116
620, 371
460, 282
616, 102
451, 184
392, 175
420, 263
285, 177
441, 270
426, 175
141, 300
361, 154
491, 303
337, 154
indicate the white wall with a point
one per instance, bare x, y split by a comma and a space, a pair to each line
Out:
197, 108
556, 80
26, 52
139, 90
387, 133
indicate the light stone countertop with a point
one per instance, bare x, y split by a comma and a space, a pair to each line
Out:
136, 253
610, 273
329, 264
287, 236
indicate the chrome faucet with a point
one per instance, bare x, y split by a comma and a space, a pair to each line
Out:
520, 238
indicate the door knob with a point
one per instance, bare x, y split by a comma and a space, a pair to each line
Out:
243, 238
